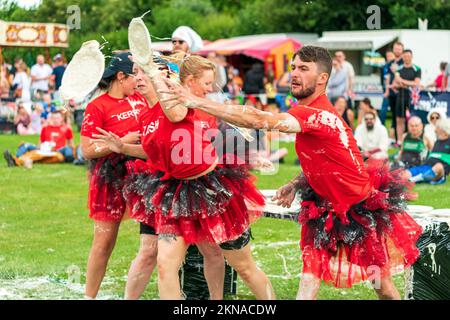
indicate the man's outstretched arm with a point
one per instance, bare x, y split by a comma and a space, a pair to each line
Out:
241, 116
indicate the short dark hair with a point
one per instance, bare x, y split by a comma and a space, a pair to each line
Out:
319, 55
443, 65
398, 43
367, 101
408, 50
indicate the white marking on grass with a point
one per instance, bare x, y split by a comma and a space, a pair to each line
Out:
46, 288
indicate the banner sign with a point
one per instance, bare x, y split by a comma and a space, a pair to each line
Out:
430, 100
26, 34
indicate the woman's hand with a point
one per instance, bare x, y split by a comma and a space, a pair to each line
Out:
108, 140
131, 137
178, 95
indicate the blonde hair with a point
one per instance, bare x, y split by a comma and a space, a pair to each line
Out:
191, 65
444, 124
23, 67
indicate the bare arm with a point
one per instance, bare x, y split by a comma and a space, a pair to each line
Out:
351, 119
250, 117
410, 83
112, 142
134, 150
92, 150
387, 80
174, 113
428, 143
242, 116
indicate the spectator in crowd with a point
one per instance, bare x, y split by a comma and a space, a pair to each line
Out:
57, 75
415, 146
406, 78
365, 105
22, 83
345, 111
283, 84
269, 87
391, 92
47, 105
350, 71
234, 82
56, 145
254, 79
186, 40
5, 85
372, 137
220, 80
432, 117
446, 83
384, 72
36, 119
437, 166
439, 83
40, 75
283, 88
22, 121
12, 73
337, 85
15, 66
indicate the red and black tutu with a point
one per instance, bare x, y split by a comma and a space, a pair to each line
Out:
217, 207
106, 181
344, 246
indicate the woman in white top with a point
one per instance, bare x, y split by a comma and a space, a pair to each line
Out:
432, 117
23, 81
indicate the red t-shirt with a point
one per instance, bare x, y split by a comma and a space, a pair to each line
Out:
439, 82
329, 156
207, 121
181, 149
119, 116
56, 134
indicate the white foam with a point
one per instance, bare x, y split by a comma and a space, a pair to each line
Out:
46, 288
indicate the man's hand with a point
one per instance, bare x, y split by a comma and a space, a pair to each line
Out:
285, 195
108, 140
131, 137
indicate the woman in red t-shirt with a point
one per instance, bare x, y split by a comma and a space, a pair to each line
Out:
117, 111
189, 195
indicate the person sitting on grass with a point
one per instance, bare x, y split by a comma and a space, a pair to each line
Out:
372, 137
415, 145
437, 166
56, 145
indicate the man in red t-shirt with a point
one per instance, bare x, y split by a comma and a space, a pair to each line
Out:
55, 145
351, 220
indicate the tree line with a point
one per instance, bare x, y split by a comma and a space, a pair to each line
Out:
215, 19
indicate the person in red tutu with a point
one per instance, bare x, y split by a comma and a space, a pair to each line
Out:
353, 219
142, 266
117, 111
187, 193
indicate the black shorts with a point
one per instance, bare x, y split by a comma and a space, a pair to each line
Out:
403, 103
239, 243
145, 229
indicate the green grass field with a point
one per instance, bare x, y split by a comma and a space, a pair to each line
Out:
45, 236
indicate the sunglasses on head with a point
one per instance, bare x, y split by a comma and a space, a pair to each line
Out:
177, 41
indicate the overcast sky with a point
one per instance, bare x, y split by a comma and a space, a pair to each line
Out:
28, 3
